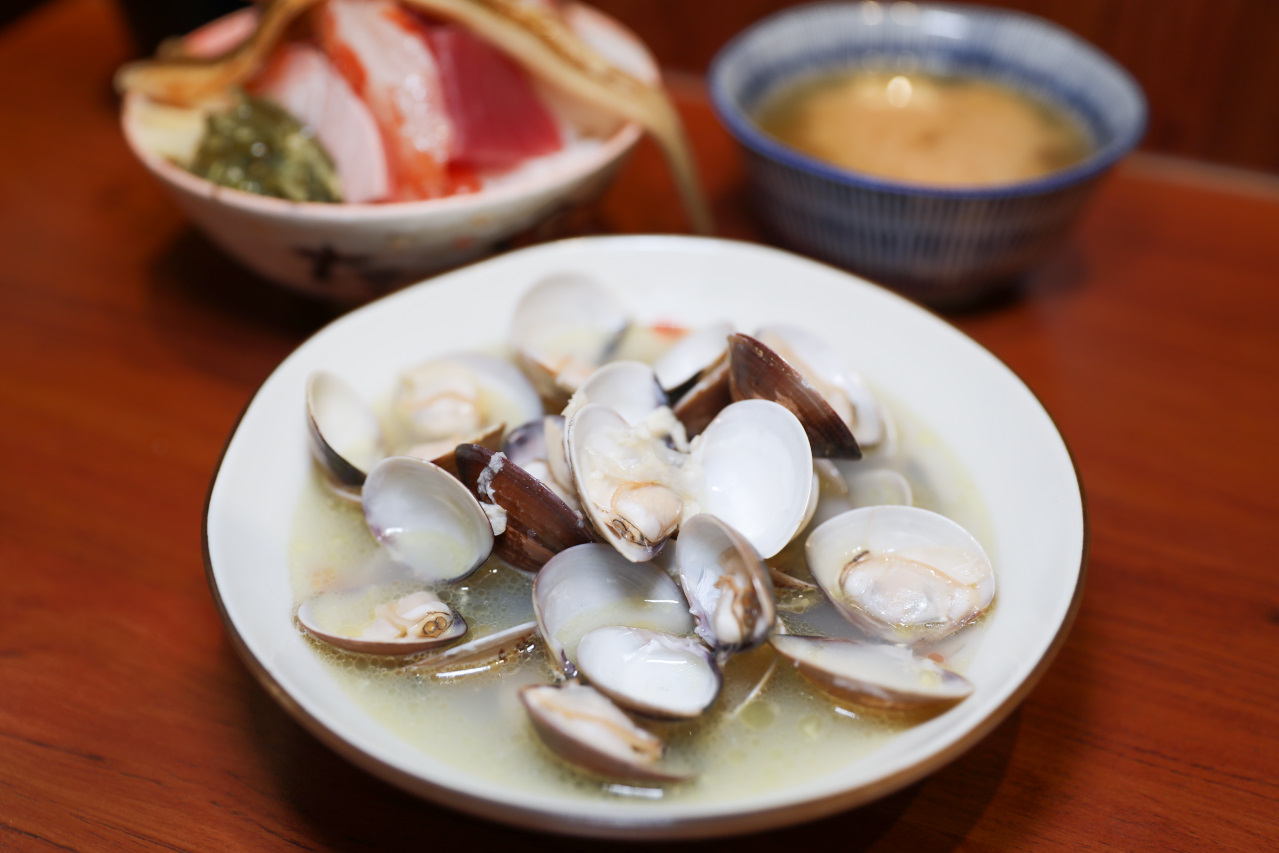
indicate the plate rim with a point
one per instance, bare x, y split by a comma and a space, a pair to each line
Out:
723, 823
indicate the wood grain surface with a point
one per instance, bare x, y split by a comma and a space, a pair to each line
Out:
129, 345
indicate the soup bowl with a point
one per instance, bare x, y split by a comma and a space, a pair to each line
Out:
945, 246
350, 253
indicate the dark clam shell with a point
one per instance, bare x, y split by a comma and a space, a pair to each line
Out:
757, 372
538, 524
699, 406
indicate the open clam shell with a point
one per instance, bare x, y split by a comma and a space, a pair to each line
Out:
625, 480
426, 519
757, 372
563, 328
346, 438
592, 586
902, 573
629, 388
479, 655
580, 725
459, 396
690, 357
853, 488
538, 448
878, 676
727, 585
698, 406
650, 672
538, 525
752, 468
406, 625
841, 386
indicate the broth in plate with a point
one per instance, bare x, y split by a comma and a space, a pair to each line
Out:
768, 728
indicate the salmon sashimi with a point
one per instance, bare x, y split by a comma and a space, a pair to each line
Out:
498, 118
303, 81
379, 48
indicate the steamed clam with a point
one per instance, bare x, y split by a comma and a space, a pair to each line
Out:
432, 532
537, 447
880, 676
691, 357
345, 436
839, 384
437, 405
727, 585
650, 672
408, 624
426, 519
902, 573
626, 478
758, 372
464, 398
530, 523
631, 633
582, 726
563, 328
751, 467
592, 586
630, 388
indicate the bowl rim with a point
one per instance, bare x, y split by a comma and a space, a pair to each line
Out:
684, 826
748, 134
609, 149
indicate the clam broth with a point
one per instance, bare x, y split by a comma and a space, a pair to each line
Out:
768, 729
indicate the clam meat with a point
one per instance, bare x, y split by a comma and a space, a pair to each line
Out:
408, 624
464, 398
751, 467
902, 573
727, 585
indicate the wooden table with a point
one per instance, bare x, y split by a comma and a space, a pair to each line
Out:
128, 346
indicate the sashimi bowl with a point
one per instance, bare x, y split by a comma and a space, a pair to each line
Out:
381, 227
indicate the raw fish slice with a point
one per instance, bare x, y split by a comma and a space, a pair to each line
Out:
382, 53
303, 81
498, 118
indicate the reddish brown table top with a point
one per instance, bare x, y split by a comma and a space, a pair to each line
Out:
128, 346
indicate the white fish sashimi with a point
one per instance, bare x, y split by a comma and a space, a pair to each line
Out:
303, 81
379, 48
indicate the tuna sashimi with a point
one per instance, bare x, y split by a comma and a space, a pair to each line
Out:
498, 118
303, 81
379, 49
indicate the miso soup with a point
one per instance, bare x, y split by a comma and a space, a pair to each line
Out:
927, 129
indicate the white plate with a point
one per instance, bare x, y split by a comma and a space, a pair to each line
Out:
991, 422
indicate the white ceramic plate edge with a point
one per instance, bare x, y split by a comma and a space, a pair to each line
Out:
663, 820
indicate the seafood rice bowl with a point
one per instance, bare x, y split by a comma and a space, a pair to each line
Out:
347, 147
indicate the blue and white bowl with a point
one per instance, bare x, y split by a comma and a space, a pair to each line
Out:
944, 246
